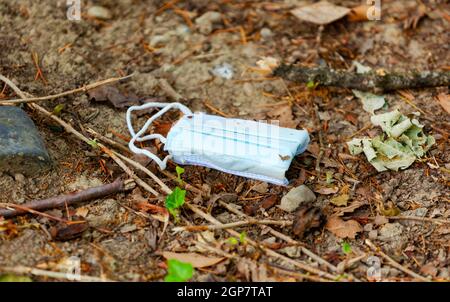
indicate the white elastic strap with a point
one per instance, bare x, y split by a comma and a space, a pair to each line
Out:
137, 136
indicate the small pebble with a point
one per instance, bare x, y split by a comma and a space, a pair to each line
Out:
99, 12
266, 33
295, 197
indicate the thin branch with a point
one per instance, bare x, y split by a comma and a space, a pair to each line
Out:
268, 251
11, 206
297, 275
24, 99
66, 200
194, 228
394, 263
421, 219
138, 166
284, 237
108, 141
366, 81
50, 274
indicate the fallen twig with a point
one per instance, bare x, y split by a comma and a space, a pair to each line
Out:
108, 141
9, 205
394, 263
284, 237
50, 274
66, 200
268, 251
366, 81
24, 99
231, 225
296, 275
422, 219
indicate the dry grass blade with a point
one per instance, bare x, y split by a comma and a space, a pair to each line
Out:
25, 99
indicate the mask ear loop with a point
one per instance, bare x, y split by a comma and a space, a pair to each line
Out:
136, 137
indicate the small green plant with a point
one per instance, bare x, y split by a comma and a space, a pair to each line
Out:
175, 200
243, 237
179, 172
93, 143
311, 85
58, 108
235, 241
178, 271
346, 248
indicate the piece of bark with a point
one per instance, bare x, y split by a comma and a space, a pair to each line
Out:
306, 218
69, 199
64, 231
363, 81
252, 208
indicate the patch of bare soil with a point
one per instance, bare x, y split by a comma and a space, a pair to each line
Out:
156, 41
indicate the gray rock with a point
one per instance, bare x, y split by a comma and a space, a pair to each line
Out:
21, 148
295, 197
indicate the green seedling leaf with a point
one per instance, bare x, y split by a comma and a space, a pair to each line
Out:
179, 172
14, 278
242, 237
233, 241
178, 271
58, 108
346, 248
175, 200
93, 143
311, 85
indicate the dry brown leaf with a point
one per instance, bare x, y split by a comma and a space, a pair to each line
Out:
284, 115
63, 231
113, 95
320, 13
306, 218
195, 259
340, 200
82, 212
350, 209
326, 190
343, 229
444, 101
358, 13
268, 202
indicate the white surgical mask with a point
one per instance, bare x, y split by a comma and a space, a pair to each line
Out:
250, 149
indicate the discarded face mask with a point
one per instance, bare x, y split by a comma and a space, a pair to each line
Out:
250, 149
